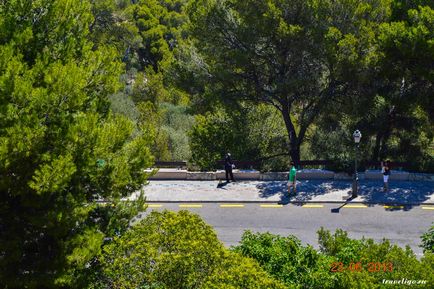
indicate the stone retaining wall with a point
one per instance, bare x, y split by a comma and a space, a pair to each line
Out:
175, 174
201, 176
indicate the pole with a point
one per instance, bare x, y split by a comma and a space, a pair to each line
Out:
356, 175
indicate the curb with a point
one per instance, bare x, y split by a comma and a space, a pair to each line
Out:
292, 202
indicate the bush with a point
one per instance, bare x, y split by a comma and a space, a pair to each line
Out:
346, 250
237, 271
428, 240
297, 266
175, 250
287, 260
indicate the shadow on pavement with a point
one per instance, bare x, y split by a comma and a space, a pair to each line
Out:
222, 185
306, 189
407, 194
402, 195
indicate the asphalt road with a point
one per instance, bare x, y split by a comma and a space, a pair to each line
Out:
401, 225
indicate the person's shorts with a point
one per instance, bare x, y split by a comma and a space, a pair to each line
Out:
291, 183
385, 178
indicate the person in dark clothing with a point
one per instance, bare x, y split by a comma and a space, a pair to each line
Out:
228, 168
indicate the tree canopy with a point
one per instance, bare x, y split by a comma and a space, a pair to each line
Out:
61, 148
176, 250
292, 55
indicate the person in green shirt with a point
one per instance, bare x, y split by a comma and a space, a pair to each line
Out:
292, 179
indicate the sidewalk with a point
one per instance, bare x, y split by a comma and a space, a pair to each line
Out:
308, 191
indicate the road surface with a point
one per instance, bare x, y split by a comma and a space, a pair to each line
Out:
401, 225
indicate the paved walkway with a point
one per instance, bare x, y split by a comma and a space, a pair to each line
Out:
308, 191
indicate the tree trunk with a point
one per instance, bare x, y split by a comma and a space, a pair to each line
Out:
390, 119
294, 142
376, 152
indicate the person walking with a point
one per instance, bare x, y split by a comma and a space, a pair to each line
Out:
228, 168
292, 179
385, 169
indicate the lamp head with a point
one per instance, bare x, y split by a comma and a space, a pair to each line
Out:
357, 135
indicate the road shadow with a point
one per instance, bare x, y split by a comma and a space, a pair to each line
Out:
337, 210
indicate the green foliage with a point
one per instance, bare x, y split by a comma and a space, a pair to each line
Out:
237, 271
169, 124
147, 35
407, 44
145, 32
287, 260
61, 148
366, 251
297, 56
400, 8
71, 134
151, 118
249, 133
155, 29
159, 24
428, 240
167, 249
297, 266
336, 145
210, 138
394, 107
339, 245
121, 103
175, 250
326, 67
176, 123
111, 26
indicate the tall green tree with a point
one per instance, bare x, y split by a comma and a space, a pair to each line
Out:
406, 73
294, 55
61, 149
395, 107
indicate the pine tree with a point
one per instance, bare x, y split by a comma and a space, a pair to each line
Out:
61, 148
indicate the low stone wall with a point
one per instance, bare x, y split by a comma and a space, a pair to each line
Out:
394, 175
342, 176
239, 175
169, 174
175, 174
400, 176
315, 175
420, 177
201, 176
273, 176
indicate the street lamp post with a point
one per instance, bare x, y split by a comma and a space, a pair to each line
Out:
357, 135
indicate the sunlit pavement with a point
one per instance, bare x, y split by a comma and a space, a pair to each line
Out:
370, 192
